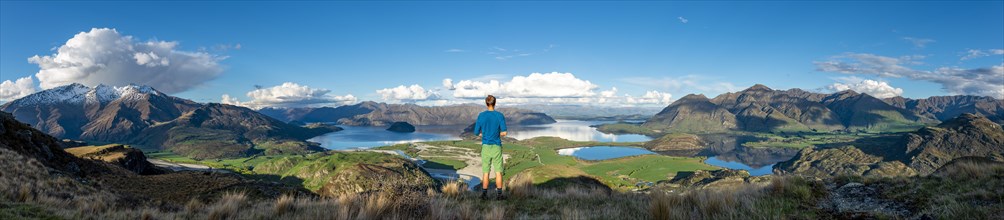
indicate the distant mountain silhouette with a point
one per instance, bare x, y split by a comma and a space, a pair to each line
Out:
144, 116
762, 109
382, 114
947, 107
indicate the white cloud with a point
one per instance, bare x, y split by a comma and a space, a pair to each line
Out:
651, 97
290, 95
973, 54
448, 84
987, 81
877, 89
18, 88
684, 84
535, 85
103, 56
454, 50
682, 20
918, 42
411, 93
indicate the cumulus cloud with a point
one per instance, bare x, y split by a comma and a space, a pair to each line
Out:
10, 90
973, 54
104, 56
651, 97
918, 42
448, 84
684, 84
878, 89
411, 93
987, 81
289, 95
535, 85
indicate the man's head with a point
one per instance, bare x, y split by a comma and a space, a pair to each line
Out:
490, 101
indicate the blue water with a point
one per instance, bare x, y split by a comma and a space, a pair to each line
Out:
754, 171
573, 130
353, 137
603, 152
367, 137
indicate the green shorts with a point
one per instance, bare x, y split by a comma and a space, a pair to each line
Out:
491, 157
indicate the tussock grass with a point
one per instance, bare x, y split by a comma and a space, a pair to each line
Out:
453, 188
29, 190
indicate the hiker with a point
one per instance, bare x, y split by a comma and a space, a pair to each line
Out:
490, 126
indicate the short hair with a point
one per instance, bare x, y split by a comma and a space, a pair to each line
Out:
490, 100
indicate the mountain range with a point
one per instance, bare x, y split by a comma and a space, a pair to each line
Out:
143, 116
762, 109
382, 114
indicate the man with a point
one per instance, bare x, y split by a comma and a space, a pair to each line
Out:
490, 126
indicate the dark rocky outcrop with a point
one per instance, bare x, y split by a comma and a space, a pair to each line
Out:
129, 158
848, 160
966, 135
401, 126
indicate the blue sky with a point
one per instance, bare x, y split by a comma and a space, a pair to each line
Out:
332, 49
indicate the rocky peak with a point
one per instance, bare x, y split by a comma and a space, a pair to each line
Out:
758, 87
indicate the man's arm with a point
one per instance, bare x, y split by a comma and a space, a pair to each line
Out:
477, 126
502, 127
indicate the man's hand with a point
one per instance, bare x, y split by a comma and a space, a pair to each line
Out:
503, 133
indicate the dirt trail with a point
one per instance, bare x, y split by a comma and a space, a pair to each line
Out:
184, 166
470, 174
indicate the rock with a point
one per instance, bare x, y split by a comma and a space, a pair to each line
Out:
401, 127
846, 160
857, 200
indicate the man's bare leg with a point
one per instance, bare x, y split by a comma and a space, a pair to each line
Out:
498, 180
484, 181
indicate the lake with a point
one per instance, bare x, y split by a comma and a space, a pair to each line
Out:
754, 171
574, 130
603, 152
356, 137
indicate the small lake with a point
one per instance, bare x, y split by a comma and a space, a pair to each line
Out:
754, 171
603, 152
355, 137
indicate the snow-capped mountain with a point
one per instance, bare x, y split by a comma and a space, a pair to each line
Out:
77, 93
141, 115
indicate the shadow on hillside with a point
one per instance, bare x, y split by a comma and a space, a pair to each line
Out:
582, 182
288, 180
890, 147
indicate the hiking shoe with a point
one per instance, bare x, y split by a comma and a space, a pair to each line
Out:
499, 195
484, 194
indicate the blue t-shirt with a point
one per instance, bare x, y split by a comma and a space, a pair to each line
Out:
490, 124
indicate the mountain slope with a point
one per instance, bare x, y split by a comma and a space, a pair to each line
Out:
693, 113
919, 152
761, 109
144, 116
